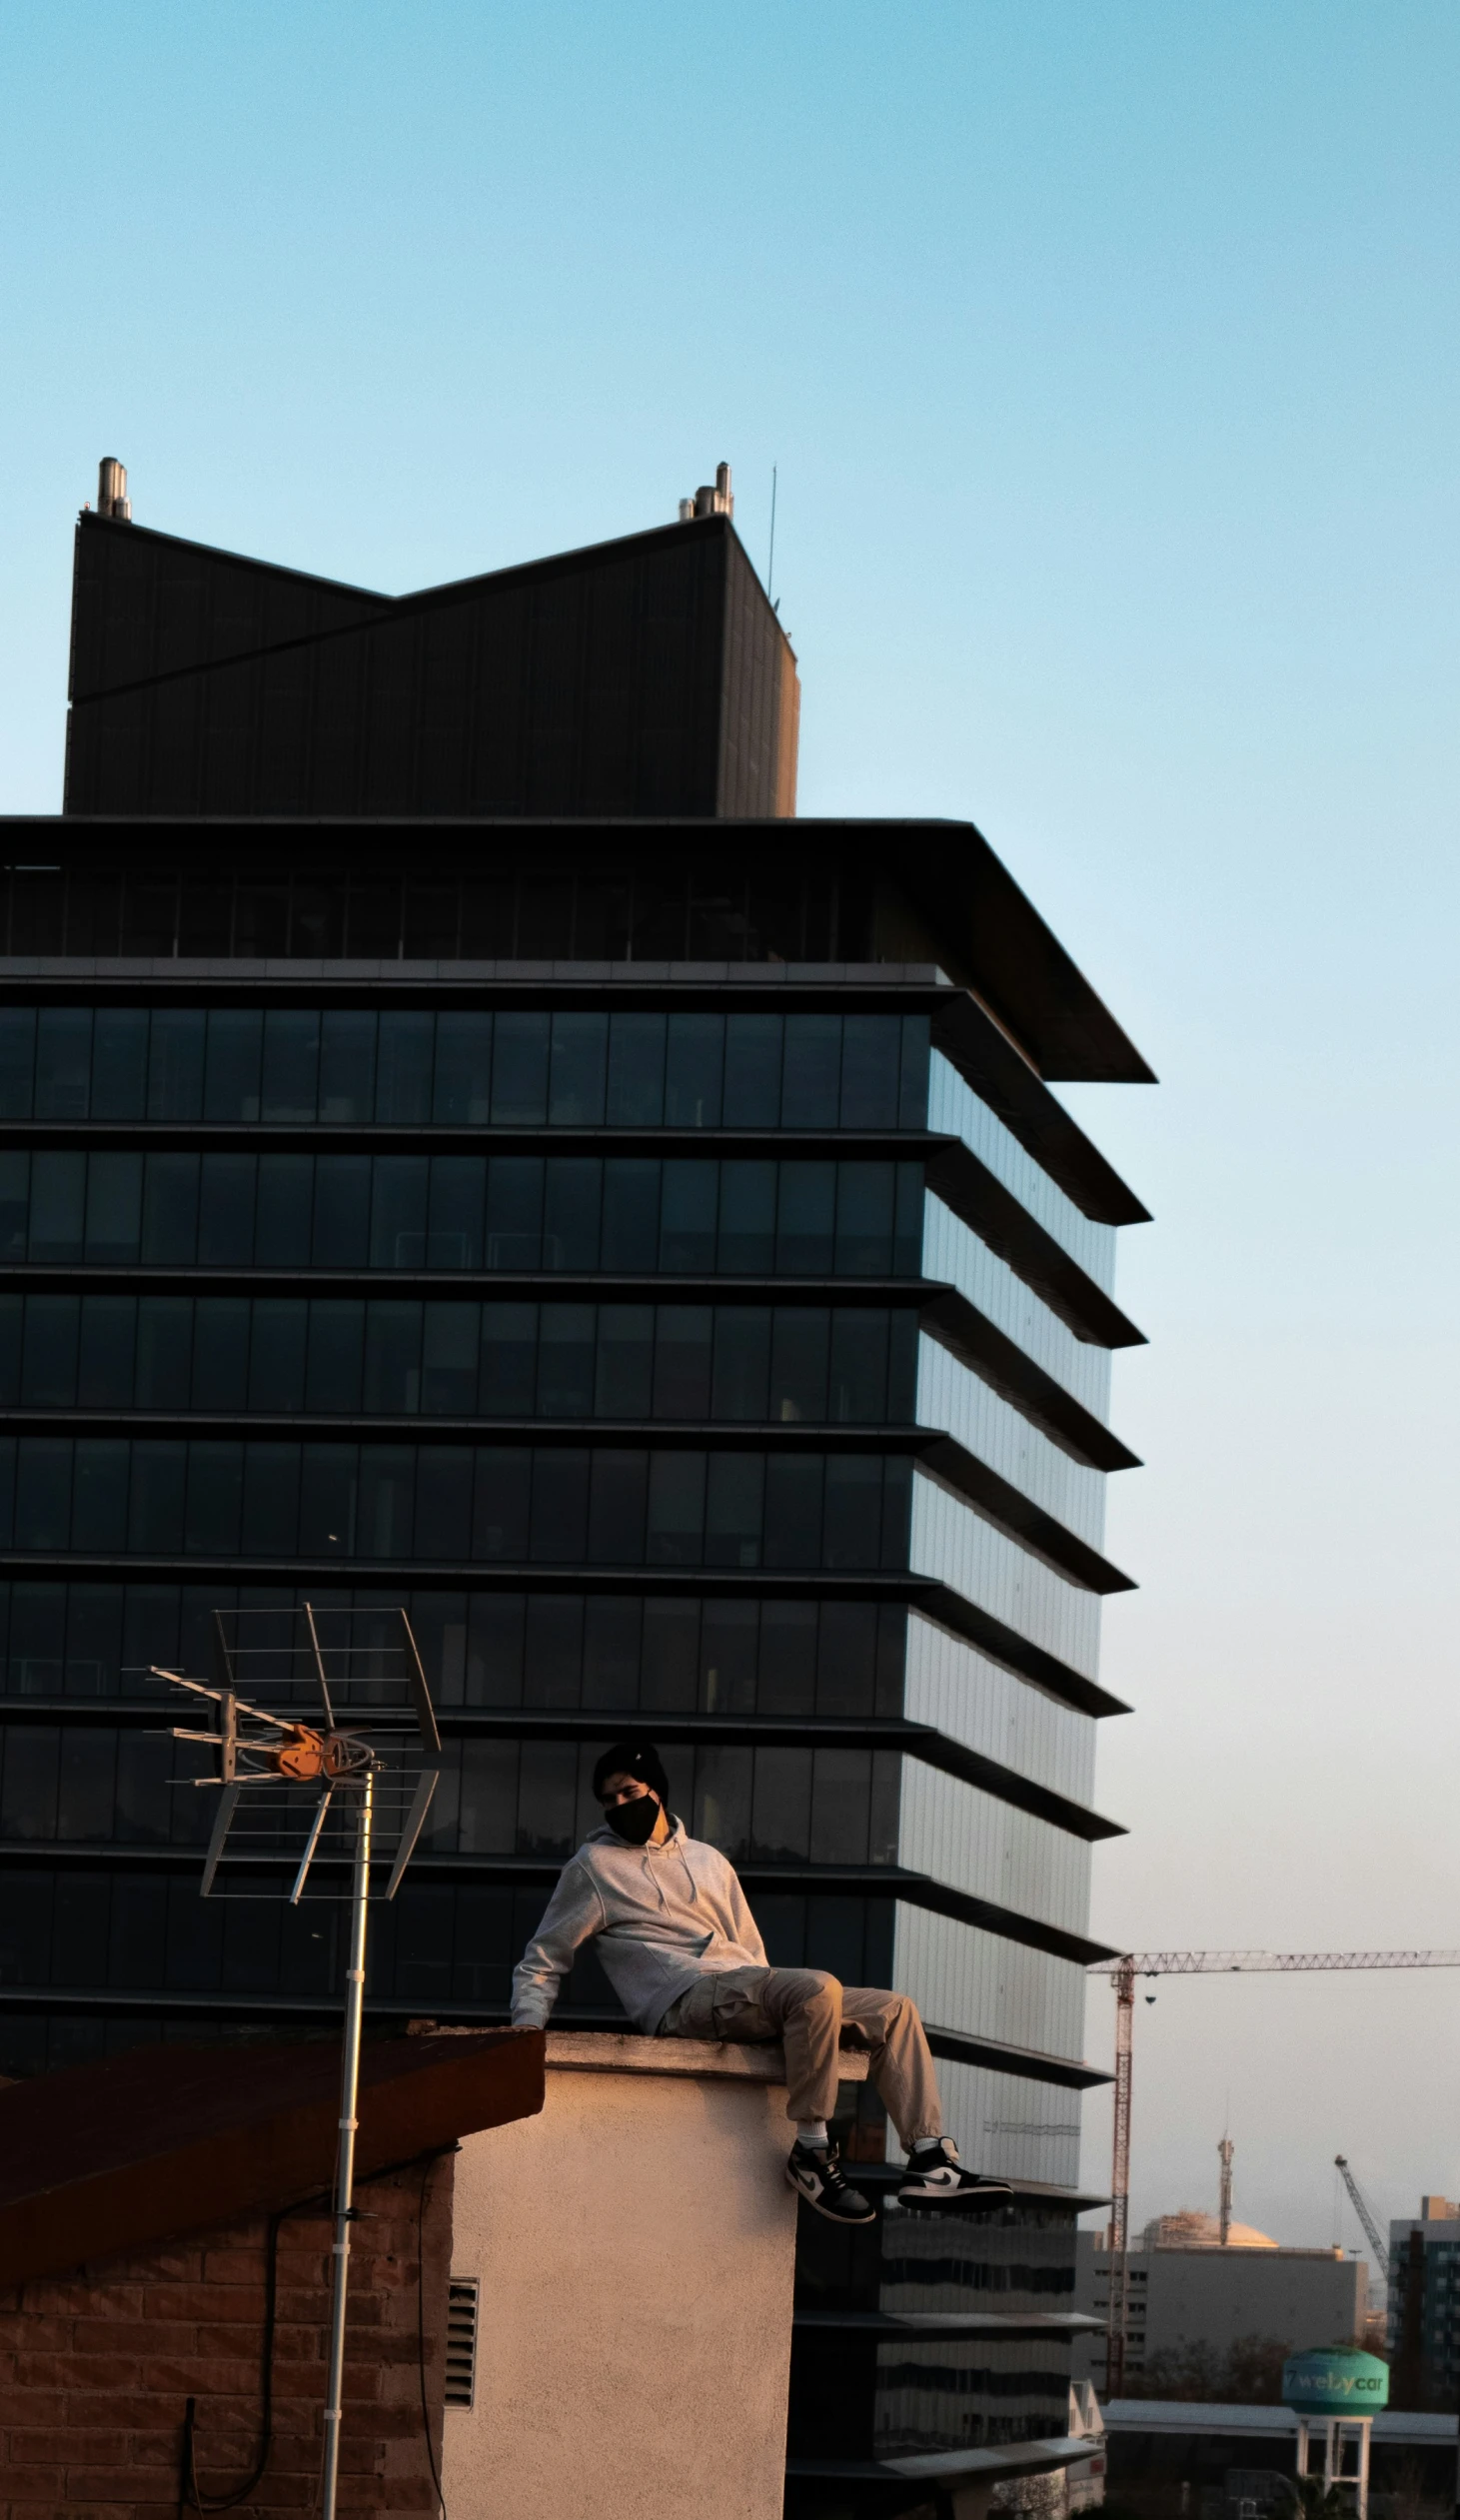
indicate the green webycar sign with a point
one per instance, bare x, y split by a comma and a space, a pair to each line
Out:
1335, 2381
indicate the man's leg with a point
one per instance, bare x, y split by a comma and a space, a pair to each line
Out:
802, 2009
905, 2080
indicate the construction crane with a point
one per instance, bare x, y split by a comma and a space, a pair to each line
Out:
1122, 1974
1360, 2204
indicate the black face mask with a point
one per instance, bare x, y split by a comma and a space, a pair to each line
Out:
635, 1822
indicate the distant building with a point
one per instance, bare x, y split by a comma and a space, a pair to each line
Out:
1188, 2294
1424, 2303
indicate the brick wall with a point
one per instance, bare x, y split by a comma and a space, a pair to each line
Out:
96, 2369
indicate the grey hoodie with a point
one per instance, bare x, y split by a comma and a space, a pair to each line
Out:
663, 1916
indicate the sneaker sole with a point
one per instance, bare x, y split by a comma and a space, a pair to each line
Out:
828, 2213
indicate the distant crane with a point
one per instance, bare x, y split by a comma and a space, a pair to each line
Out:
1122, 1974
1362, 2208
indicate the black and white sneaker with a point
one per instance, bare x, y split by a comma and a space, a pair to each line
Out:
817, 2176
935, 2176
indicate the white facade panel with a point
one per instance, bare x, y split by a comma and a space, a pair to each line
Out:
953, 1686
955, 1546
952, 1252
968, 1840
953, 1398
955, 1108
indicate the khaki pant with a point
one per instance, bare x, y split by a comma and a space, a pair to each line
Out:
812, 2014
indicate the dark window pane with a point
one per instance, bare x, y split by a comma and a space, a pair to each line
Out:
500, 1514
734, 1509
495, 1646
175, 1064
87, 1798
94, 913
520, 1071
752, 1045
489, 918
155, 1514
397, 1217
48, 1368
317, 920
852, 1535
17, 1062
601, 920
14, 1205
566, 1361
780, 1827
431, 922
347, 1067
775, 906
912, 1098
687, 1217
860, 1367
205, 917
38, 912
509, 1360
635, 1071
94, 1633
683, 1335
907, 1233
729, 1637
625, 1360
515, 1212
794, 1510
119, 1063
453, 1234
12, 1320
37, 1640
741, 1361
449, 1362
571, 1206
221, 1353
443, 1474
891, 1648
631, 1215
552, 1671
170, 1211
543, 917
328, 1490
164, 1351
810, 1085
403, 1071
903, 1369
548, 1798
336, 1348
617, 1509
113, 1208
846, 1658
676, 1535
611, 1649
864, 1219
896, 1509
870, 1066
57, 1193
840, 1806
215, 1499
277, 1355
271, 1500
226, 1210
98, 1504
286, 1184
747, 1219
341, 1237
578, 1070
694, 1070
373, 925
462, 1096
28, 1797
804, 1219
235, 1053
560, 1506
659, 914
259, 919
882, 1818
723, 1801
393, 1360
63, 1064
291, 1065
798, 1347
671, 1660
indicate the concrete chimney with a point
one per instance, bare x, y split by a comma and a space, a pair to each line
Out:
717, 500
111, 492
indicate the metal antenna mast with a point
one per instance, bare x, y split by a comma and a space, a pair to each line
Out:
1122, 1974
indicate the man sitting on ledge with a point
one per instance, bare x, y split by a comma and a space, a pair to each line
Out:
686, 1959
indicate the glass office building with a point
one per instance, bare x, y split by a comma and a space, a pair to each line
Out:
653, 1250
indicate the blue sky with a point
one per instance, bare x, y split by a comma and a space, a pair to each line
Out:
1107, 355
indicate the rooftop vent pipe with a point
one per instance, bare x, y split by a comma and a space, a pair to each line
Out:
708, 501
111, 490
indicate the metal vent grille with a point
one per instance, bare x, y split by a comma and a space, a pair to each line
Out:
461, 2341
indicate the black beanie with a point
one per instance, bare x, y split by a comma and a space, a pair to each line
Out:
633, 1759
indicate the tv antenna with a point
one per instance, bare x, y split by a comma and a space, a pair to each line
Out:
332, 1777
